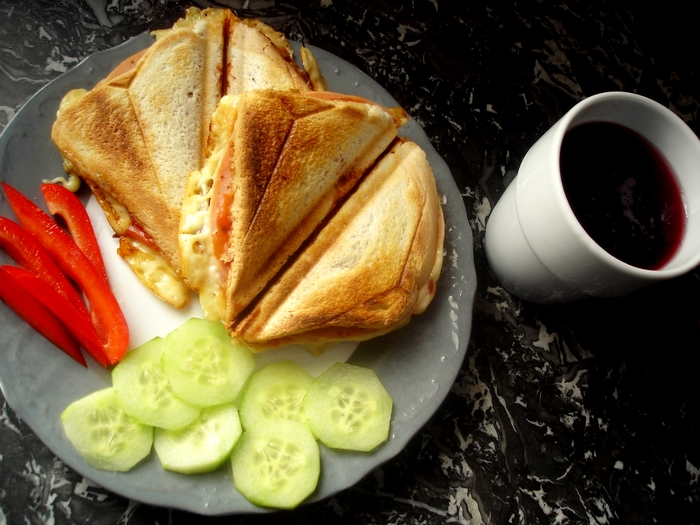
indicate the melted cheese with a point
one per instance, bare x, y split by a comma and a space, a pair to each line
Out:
222, 122
117, 215
153, 271
72, 183
73, 96
312, 69
200, 267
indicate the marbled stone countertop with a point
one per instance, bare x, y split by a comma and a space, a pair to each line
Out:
586, 413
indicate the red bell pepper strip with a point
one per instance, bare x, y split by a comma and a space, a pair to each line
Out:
38, 316
63, 202
26, 251
81, 327
107, 316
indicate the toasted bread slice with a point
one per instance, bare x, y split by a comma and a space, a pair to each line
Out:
372, 266
283, 160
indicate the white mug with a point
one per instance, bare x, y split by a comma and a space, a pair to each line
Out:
536, 246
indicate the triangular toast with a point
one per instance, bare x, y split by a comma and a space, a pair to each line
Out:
372, 266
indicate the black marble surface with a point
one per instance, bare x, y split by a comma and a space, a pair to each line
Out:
585, 413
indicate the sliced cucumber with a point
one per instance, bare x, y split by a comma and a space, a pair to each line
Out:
145, 392
104, 434
276, 391
347, 407
201, 446
276, 463
204, 365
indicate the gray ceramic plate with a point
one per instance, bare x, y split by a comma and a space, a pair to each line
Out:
418, 363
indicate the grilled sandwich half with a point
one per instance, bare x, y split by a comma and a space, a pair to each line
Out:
281, 163
373, 264
137, 135
311, 222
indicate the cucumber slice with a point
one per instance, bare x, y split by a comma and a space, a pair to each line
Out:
276, 391
145, 392
204, 365
347, 407
104, 434
201, 446
276, 464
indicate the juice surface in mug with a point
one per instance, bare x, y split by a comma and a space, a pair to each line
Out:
623, 192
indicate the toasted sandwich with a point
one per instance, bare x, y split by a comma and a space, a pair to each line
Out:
373, 265
138, 134
280, 164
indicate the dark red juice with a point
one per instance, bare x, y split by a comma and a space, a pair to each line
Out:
623, 192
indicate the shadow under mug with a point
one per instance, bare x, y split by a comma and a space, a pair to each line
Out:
534, 243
